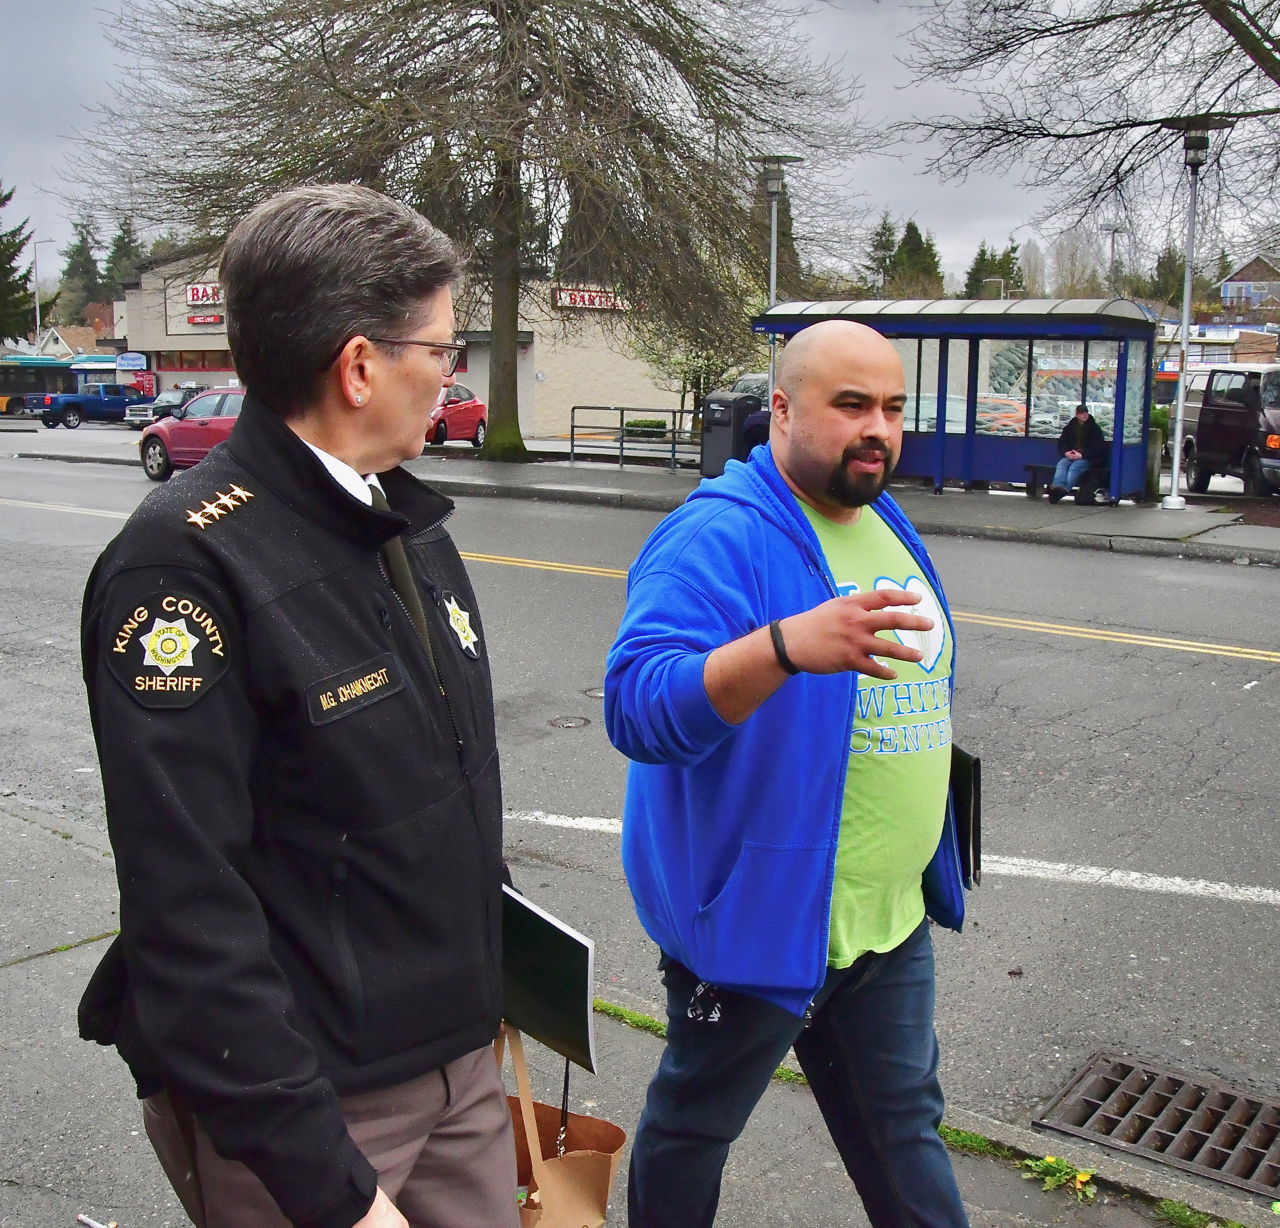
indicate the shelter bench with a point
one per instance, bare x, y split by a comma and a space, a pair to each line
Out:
1093, 488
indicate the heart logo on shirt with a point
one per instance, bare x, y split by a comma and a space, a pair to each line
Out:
929, 643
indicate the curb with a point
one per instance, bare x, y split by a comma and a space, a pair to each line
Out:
1134, 1175
635, 500
80, 460
1152, 546
645, 501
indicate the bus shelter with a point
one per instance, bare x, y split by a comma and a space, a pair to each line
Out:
1007, 375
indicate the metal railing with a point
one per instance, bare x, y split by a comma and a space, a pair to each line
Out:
682, 440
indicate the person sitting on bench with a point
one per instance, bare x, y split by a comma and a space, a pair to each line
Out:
1081, 446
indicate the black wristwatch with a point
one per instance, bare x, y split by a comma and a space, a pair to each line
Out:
780, 648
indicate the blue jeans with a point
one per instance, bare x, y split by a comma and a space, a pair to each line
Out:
1069, 472
871, 1058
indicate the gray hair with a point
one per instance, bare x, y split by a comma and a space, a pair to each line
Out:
309, 269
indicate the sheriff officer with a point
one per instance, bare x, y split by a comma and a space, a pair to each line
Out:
290, 693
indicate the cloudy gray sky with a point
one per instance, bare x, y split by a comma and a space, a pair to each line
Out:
59, 66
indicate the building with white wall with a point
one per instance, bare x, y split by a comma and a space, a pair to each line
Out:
571, 350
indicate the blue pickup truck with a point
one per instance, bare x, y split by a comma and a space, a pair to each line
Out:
93, 403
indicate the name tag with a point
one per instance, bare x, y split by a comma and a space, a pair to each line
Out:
342, 694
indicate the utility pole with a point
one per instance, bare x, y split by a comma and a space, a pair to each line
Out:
35, 277
1195, 152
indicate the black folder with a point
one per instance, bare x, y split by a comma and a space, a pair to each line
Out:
966, 800
547, 974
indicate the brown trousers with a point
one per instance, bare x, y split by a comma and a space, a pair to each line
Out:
442, 1146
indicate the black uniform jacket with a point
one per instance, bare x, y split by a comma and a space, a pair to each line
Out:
305, 808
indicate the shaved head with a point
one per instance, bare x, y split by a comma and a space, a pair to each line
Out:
814, 349
836, 431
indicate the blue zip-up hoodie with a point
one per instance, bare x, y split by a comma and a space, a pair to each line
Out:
729, 832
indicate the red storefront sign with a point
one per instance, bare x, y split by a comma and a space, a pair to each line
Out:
591, 300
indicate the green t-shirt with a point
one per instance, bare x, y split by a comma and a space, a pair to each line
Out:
895, 792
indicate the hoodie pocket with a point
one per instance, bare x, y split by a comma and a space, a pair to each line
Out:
765, 927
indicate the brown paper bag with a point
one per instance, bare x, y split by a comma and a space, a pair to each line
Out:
565, 1191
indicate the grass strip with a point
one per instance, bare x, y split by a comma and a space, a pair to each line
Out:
974, 1144
655, 1027
66, 946
1182, 1216
633, 1019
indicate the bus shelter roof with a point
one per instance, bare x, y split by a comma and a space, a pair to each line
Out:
950, 317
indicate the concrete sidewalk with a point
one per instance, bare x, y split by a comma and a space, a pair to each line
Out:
1210, 527
1200, 531
71, 1138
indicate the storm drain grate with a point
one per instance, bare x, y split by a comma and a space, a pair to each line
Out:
1194, 1124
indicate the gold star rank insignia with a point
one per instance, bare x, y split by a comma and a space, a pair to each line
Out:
460, 623
222, 505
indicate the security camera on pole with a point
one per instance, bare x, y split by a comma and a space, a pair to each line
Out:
774, 168
1195, 151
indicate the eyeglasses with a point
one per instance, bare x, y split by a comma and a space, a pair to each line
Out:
452, 351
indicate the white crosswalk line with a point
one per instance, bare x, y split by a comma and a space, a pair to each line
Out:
1015, 867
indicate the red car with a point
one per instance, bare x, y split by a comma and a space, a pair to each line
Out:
184, 437
461, 416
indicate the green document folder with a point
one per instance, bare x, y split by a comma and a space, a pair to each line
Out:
548, 971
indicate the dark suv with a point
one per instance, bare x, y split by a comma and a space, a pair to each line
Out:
1238, 431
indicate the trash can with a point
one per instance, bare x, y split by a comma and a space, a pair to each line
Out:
722, 434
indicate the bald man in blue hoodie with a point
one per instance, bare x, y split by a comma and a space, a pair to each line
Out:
782, 683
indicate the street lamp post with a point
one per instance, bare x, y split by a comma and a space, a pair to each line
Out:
1195, 151
35, 277
774, 168
1000, 280
1112, 229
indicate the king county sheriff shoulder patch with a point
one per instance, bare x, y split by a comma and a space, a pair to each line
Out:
166, 650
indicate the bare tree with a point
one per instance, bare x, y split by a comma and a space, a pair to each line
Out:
596, 142
1074, 94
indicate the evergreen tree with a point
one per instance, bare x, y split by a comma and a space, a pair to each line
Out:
979, 270
1166, 282
915, 271
987, 266
81, 279
122, 261
883, 243
17, 307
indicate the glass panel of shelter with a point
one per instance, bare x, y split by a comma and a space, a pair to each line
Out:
1135, 389
1002, 388
1025, 389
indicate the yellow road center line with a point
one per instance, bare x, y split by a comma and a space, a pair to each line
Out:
611, 573
988, 620
983, 620
1118, 637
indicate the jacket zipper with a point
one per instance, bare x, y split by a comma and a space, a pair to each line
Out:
431, 656
453, 724
341, 931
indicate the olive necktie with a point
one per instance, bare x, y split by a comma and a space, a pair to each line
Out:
396, 562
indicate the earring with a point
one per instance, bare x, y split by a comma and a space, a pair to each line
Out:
359, 400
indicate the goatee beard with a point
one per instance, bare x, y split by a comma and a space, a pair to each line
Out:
846, 489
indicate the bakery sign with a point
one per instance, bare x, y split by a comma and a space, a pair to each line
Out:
204, 294
589, 300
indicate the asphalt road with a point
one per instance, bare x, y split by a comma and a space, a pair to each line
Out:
1099, 749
